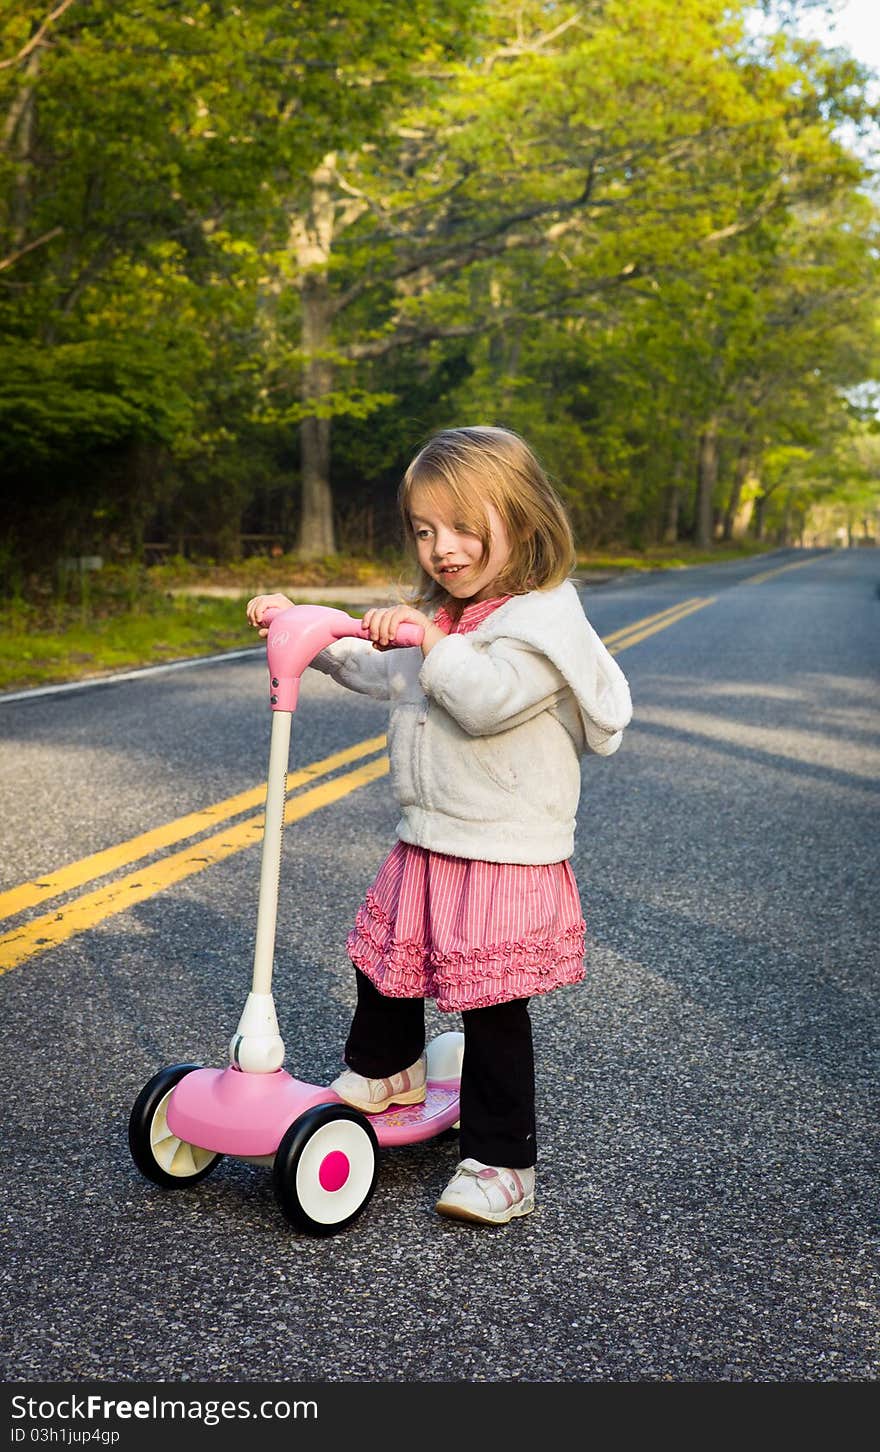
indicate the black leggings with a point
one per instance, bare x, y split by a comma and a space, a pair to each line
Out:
497, 1076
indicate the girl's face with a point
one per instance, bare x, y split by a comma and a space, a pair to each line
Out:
453, 556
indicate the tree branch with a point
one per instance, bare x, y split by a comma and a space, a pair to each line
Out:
526, 47
37, 37
38, 242
558, 307
435, 263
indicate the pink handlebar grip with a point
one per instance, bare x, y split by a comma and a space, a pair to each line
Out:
299, 633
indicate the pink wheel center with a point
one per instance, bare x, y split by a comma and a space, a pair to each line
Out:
334, 1170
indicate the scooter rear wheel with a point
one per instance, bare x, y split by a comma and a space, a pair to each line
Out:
159, 1154
325, 1168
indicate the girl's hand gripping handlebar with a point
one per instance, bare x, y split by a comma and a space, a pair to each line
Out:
301, 632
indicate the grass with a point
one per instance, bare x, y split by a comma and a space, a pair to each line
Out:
669, 557
36, 650
121, 617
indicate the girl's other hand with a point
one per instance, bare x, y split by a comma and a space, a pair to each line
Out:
257, 608
382, 624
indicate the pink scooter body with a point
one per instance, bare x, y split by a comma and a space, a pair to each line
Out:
245, 1114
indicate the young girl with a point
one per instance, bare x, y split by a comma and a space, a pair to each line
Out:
476, 906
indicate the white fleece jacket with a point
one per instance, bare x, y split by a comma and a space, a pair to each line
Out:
486, 733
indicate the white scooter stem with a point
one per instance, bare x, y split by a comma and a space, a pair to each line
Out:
270, 868
257, 1046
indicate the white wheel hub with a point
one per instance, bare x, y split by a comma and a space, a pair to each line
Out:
174, 1155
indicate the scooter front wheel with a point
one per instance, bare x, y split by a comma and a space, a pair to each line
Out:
159, 1154
325, 1168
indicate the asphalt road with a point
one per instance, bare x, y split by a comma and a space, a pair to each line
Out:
707, 1099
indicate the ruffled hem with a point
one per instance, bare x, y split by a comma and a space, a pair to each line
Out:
373, 909
493, 973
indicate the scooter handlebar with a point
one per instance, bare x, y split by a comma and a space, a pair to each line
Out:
300, 632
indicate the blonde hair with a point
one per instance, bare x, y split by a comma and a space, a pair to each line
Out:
472, 467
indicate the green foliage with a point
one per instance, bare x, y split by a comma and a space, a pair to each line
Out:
614, 227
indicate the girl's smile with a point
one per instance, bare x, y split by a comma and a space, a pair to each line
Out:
452, 554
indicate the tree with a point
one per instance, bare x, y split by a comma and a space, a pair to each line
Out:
594, 149
228, 231
152, 150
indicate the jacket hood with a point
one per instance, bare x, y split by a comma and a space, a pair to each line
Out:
553, 622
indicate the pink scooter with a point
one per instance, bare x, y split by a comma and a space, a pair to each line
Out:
323, 1154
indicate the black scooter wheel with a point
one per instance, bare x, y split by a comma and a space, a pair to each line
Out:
325, 1168
159, 1154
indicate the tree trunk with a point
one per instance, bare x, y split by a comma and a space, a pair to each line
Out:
758, 516
312, 239
739, 477
707, 477
673, 505
785, 527
497, 350
317, 536
17, 141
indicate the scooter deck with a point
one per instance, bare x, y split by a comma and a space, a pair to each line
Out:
408, 1123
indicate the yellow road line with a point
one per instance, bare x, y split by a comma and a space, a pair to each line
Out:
99, 864
642, 630
95, 907
780, 569
669, 616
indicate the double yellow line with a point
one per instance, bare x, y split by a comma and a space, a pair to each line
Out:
307, 793
629, 635
84, 912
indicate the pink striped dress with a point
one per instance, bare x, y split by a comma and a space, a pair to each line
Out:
464, 932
